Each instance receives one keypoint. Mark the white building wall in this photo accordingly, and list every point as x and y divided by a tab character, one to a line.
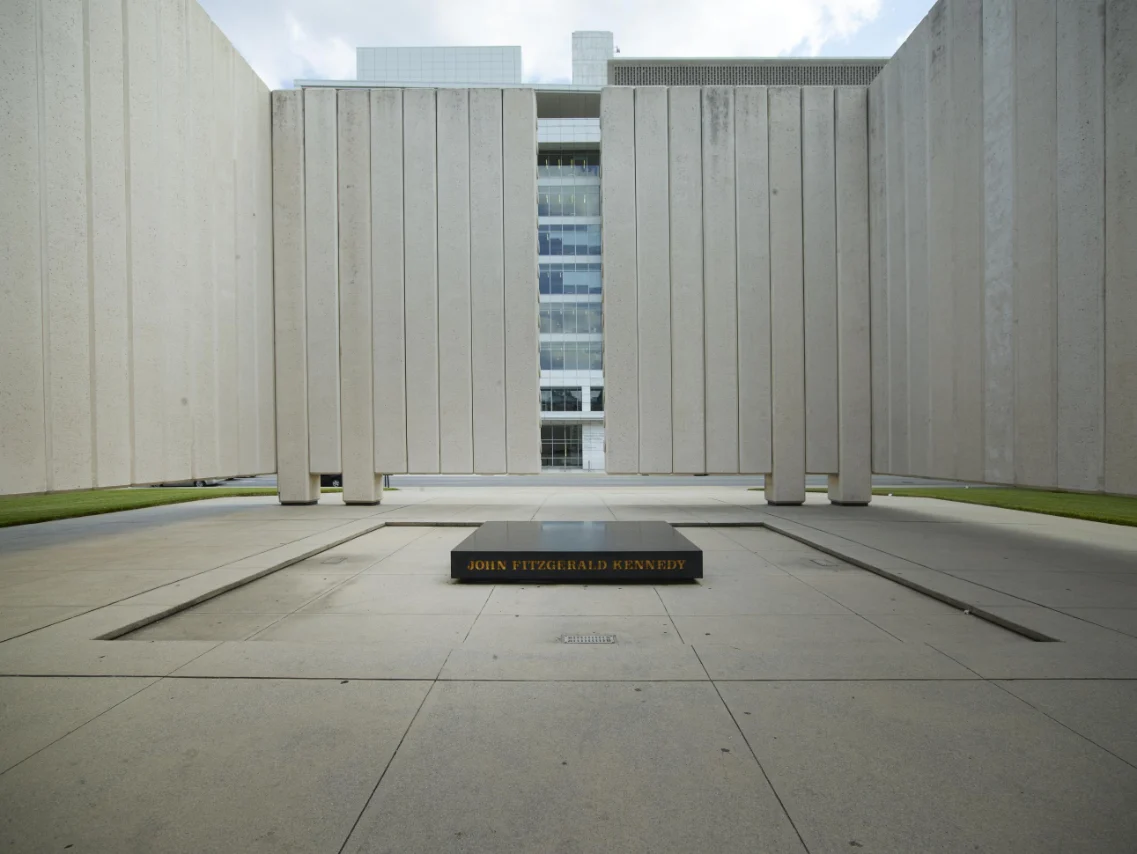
439	65
137	313
591	50
1019	244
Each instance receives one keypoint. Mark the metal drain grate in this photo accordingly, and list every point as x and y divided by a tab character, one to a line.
588	638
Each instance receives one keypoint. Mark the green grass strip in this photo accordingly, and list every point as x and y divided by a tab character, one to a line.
27	509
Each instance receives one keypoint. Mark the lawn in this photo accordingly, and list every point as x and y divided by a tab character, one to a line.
25	509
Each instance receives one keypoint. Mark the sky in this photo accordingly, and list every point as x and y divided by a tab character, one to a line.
285	40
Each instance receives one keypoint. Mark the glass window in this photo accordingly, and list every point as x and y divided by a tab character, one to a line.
597	402
562	445
571	317
561	400
572	356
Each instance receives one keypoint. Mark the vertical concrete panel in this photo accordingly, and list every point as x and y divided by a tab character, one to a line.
202	319
246	188
621	349
897	274
685	211
941	193
1035	215
110	299
487	282
147	306
455	403
225	250
752	170
653	262
519	159
853	483
23	454
1121	247
786	485
387	281
720	282
819	212
320	231
1080	356
998	232
295	483
878	267
173	189
914	87
266	387
357	417
967	235
421	278
67	351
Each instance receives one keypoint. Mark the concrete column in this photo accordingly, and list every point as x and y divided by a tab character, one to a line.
110	298
941	292
420	257
321	227
245	170
23	452
1080	356
519	160
720	283
225	254
621	352
786	483
752	180
1035	160
998	233
361	485
294	482
487	282
819	212
389	345
878	268
688	377
914	67
455	404
1121	247
897	271
266	387
853	482
967	235
653	295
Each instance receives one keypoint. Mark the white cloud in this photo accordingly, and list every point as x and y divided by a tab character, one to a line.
287	39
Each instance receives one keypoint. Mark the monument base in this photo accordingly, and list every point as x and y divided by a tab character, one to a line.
576	551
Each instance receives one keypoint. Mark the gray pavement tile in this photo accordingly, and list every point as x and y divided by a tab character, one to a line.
1107	659
575	662
427	629
870	594
820	659
1123	620
762	540
408	561
713	539
760	594
750	630
1061	589
1102	711
212	765
1055	624
27	656
401	594
528	632
933	767
189	625
948	628
720	563
288	660
271	595
581	767
15	621
93	588
575	600
35	711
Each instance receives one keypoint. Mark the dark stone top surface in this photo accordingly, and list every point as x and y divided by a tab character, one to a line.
584	537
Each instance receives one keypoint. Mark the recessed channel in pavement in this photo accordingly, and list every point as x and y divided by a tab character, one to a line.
394	586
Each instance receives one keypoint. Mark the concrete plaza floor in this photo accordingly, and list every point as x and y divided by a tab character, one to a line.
233	675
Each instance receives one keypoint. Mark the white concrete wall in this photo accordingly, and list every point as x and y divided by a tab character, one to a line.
736	270
1002	163
135	248
421	208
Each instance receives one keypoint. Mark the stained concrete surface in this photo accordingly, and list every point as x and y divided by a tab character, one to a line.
285	714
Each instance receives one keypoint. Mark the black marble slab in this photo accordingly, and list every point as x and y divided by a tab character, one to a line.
576	551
